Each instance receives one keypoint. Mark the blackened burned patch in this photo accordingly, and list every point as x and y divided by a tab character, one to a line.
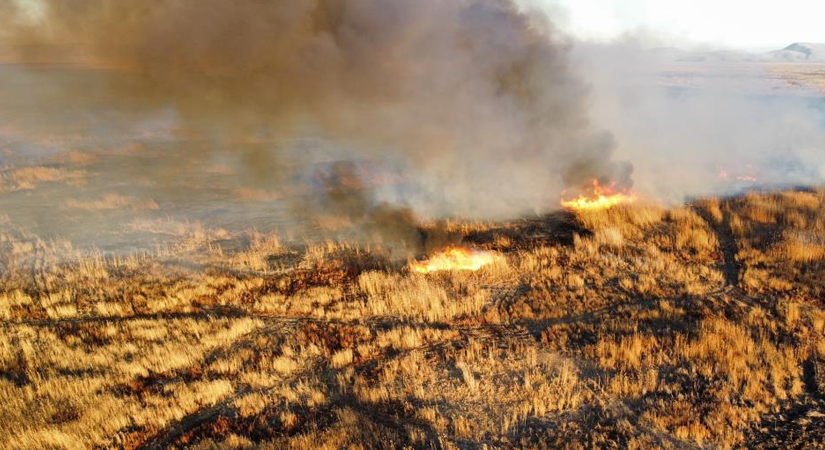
556	228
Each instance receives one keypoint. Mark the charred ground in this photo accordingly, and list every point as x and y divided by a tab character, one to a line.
638	327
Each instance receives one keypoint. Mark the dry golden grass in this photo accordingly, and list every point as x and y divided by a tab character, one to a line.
27	178
251	194
112	201
806	76
630	331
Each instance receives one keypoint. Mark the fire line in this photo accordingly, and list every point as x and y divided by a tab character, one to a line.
455	258
600	198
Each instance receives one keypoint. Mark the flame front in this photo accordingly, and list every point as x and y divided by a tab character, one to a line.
601	198
455	258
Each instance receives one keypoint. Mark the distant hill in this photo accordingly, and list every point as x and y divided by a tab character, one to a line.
797	52
800	51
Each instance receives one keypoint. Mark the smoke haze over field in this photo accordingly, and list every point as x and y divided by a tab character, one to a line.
704	127
366	116
476	95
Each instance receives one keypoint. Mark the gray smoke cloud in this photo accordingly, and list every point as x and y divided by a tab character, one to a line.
705	123
476	108
476	96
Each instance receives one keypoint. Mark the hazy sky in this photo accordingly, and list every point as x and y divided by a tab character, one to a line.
748	24
744	24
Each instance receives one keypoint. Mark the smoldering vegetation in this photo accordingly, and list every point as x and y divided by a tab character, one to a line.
349	206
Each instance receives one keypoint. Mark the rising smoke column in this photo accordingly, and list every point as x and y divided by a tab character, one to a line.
476	94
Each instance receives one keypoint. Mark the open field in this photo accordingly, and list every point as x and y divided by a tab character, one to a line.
700	326
421	224
806	79
809	76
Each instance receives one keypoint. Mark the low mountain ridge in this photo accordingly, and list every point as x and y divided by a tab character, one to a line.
796	52
800	51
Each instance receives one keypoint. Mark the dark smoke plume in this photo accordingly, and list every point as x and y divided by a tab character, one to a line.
351	202
476	95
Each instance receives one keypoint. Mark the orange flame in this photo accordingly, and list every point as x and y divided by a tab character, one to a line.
455	258
744	177
601	198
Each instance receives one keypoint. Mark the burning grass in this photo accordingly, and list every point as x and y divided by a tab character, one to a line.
600	198
632	327
455	258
